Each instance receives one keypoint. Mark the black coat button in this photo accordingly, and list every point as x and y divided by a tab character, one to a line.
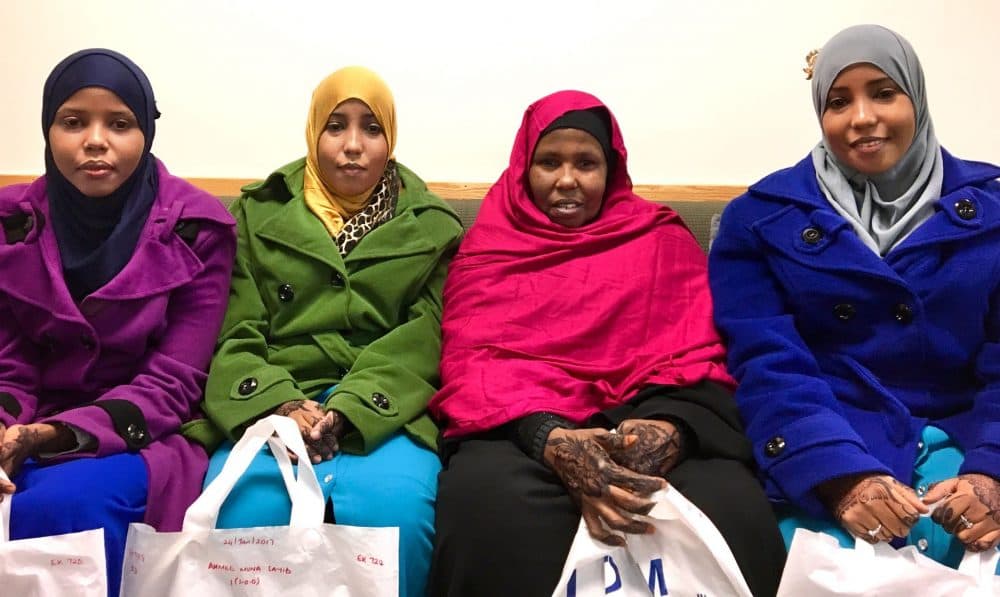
965	209
342	372
844	311
135	433
812	235
774	446
88	342
247	386
286	293
337	280
904	313
380	400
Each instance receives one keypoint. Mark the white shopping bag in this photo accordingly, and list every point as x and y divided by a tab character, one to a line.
685	557
818	566
303	559
71	565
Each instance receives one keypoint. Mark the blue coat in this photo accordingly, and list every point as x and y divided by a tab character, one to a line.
843	357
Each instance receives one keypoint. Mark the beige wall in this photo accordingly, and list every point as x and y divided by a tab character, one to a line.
707	92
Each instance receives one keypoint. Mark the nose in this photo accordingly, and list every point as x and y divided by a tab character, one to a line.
863	114
352	141
96	137
567	179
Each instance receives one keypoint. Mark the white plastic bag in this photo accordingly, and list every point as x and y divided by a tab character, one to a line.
303	559
72	565
818	566
686	556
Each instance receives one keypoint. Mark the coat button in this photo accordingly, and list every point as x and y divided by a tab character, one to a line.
844	311
337	280
286	293
247	386
904	313
965	209
380	400
135	433
812	235
342	372
87	342
774	446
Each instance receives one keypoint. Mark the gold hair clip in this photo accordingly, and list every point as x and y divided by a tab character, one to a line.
810	64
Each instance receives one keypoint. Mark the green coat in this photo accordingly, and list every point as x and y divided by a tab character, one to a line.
301	318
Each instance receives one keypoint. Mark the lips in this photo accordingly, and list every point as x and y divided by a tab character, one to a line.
352	167
96	168
868	144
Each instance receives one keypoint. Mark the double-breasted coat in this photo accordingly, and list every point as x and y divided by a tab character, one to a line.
844	356
128	363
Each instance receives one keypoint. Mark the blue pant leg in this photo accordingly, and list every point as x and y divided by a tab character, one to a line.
394	485
81	495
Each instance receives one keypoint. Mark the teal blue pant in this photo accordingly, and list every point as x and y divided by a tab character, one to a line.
394	485
938	459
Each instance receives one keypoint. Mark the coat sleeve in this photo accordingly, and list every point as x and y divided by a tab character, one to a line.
799	434
394	377
983	455
19	375
242	385
167	387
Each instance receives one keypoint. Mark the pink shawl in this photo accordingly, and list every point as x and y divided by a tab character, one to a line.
572	321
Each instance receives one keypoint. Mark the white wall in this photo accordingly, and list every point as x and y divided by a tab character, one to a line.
707	92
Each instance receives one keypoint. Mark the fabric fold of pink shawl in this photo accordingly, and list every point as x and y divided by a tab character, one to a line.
572	321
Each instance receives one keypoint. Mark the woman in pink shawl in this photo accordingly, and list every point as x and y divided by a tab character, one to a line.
580	370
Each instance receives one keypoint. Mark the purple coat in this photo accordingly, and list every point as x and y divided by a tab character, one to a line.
128	364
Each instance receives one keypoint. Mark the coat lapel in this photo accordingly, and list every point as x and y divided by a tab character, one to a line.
294	227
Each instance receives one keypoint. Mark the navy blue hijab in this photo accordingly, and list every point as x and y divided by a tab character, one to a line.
97	235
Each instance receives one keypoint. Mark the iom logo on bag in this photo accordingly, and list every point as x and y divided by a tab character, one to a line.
656	581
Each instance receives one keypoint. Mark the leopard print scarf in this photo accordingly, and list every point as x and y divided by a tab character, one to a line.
380	209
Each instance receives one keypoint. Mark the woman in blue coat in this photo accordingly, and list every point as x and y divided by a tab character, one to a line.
858	291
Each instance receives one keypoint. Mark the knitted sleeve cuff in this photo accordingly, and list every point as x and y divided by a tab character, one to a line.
532	432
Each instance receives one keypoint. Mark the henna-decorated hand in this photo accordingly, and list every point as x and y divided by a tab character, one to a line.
6	487
21	442
606	492
320	430
873	507
970	509
656	451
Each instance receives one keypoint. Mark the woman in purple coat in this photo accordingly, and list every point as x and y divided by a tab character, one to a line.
113	284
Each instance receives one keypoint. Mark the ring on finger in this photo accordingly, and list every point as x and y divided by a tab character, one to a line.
965	521
874	532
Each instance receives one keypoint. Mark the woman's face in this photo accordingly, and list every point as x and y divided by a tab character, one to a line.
96	141
868	121
567	177
352	151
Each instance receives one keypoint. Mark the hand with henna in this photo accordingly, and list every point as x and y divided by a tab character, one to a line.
6	487
606	492
320	430
969	509
21	442
658	447
873	507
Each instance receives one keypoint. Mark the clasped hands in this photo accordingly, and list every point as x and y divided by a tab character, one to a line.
879	508
611	474
321	431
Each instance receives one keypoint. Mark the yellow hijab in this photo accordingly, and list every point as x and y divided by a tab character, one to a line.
352	82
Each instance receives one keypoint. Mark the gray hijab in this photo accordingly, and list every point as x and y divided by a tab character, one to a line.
885	208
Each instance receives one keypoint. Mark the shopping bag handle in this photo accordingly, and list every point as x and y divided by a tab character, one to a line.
282	434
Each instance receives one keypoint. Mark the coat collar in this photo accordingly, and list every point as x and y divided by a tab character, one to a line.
799	184
161	261
294	226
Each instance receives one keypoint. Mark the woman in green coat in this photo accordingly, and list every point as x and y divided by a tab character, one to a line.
334	320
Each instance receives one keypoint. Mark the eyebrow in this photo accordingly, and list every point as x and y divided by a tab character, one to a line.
874	83
72	110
